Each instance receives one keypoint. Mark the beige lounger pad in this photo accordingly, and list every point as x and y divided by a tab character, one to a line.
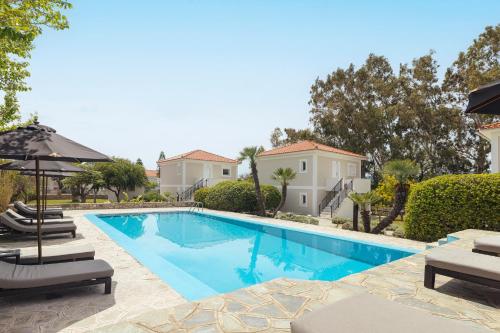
488	244
464	261
367	313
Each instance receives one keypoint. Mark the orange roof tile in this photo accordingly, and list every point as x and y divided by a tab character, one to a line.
491	126
200	155
151	173
306	146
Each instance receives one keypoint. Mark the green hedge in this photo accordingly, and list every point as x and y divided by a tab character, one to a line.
446	204
236	196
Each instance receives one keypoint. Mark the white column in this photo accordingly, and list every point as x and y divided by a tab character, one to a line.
495	151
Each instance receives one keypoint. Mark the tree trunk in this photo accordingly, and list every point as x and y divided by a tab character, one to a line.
95	196
365	214
399	205
355	213
261	210
282	201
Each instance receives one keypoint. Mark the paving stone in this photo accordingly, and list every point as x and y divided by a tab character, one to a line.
270	310
291	303
252	321
206	329
230	323
199	317
232	306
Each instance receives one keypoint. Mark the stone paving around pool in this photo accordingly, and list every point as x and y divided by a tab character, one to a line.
141	302
269	307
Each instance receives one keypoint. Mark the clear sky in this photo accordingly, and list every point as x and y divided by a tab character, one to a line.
132	78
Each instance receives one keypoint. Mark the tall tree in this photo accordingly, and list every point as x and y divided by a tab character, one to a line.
403	171
283	177
365	201
21	23
478	65
82	183
250	154
278	138
162	155
121	175
139	162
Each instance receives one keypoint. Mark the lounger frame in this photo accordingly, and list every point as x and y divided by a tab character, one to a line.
57	287
431	271
494	254
17	232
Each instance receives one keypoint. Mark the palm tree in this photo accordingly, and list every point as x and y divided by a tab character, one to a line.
364	201
283	176
403	171
250	154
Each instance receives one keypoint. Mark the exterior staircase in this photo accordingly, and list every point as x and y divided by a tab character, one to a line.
187	195
334	198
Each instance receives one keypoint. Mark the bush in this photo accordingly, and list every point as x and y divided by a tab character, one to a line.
153	196
297	218
272	196
237	196
341	220
451	203
201	195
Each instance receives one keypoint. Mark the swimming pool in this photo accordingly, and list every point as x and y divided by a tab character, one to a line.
203	254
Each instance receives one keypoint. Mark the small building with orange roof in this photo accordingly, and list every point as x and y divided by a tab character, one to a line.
491	132
325	175
186	172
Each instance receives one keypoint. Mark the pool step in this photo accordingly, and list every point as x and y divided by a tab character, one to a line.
442	241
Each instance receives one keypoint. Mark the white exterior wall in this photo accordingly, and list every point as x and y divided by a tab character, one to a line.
493	136
178	175
320	177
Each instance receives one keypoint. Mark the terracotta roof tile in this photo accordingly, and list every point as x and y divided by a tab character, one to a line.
306	146
491	126
200	155
151	173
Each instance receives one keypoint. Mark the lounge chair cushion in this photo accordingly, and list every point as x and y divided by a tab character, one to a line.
466	262
29	256
11	223
31	220
29	276
488	244
365	313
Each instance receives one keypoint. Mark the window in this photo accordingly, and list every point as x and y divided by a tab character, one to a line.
351	170
303	166
303	199
226	172
336	169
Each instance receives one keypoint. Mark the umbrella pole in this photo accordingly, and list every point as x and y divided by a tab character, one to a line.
38	224
43	196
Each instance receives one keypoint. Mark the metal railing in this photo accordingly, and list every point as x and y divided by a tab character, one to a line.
197	205
339	197
188	193
330	195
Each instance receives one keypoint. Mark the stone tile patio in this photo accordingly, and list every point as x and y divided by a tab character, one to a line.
270	306
141	302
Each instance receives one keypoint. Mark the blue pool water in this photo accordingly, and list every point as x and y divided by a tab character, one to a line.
202	254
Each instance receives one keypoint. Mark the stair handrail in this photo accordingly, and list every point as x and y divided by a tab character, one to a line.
341	196
330	195
197	205
188	193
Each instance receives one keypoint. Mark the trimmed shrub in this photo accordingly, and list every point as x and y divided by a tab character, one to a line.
341	220
237	196
446	204
153	196
201	195
297	218
272	196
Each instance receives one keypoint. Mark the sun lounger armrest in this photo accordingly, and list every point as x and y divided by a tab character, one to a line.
11	254
30	220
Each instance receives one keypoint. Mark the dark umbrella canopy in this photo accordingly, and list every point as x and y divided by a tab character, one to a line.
50	174
42	142
55	166
485	99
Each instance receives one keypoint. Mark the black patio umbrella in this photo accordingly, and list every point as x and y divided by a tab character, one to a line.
42	143
48	169
485	99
